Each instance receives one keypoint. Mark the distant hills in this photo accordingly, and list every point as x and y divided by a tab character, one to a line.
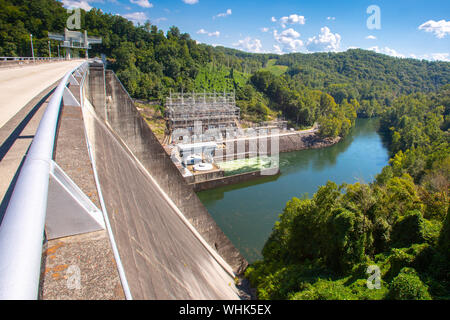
150	63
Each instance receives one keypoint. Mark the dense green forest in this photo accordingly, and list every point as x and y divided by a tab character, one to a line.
327	88
321	247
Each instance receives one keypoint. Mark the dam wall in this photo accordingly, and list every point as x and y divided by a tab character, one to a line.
95	82
163	254
125	121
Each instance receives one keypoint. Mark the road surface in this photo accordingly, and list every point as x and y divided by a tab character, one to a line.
19	85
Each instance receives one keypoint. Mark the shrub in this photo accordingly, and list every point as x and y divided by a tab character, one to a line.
408	229
359	288
408	286
325	290
346	248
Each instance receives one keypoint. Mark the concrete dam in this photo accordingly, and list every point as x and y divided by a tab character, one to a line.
152	205
156	239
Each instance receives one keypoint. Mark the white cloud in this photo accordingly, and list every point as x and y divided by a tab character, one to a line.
190	1
433	56
210	34
371	37
438	56
393	52
290	33
292	19
214	34
83	4
331	18
160	19
224	14
289	40
249	44
142	3
439	28
325	41
388	51
136	17
273	19
441	56
277	49
264	29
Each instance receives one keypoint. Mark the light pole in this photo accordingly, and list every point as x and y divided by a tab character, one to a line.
32	49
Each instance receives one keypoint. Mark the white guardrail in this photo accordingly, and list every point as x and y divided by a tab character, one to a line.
22	228
30	58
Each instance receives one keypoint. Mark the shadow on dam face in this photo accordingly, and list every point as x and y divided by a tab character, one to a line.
162	256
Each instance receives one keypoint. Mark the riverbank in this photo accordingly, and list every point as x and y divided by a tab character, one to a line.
303	141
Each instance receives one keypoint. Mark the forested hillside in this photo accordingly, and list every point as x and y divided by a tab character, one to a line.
321	247
328	88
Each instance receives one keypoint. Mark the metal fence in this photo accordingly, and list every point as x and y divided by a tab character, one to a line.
30	58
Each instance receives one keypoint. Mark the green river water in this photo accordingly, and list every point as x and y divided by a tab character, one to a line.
246	212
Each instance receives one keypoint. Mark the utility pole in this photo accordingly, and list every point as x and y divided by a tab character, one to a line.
49	49
32	50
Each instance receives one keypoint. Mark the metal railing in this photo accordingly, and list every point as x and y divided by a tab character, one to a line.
22	228
30	58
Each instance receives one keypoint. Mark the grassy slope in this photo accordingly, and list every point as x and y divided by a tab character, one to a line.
275	69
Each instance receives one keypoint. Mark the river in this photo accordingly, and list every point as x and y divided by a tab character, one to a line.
246	212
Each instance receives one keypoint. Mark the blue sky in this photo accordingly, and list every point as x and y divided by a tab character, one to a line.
407	28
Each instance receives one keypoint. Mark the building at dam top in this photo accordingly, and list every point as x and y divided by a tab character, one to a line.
74	40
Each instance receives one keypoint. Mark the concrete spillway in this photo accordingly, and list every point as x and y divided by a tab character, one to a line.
169	245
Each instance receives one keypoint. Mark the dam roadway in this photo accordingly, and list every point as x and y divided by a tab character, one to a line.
19	85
